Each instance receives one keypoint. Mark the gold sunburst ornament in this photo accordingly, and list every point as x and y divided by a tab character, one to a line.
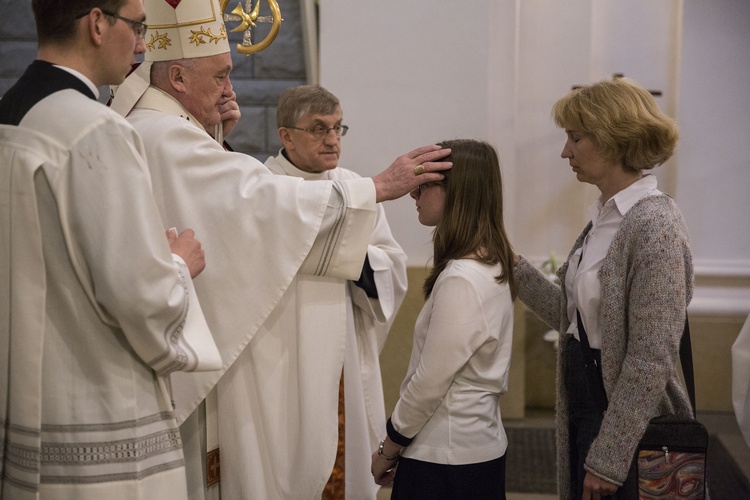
248	18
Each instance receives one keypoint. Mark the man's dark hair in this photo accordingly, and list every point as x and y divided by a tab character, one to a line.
56	19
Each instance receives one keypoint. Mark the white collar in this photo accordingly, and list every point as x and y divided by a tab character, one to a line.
290	169
625	200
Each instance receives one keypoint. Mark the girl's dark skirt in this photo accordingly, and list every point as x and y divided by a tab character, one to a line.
418	480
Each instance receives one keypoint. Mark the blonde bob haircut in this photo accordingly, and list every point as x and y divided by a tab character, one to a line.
624	121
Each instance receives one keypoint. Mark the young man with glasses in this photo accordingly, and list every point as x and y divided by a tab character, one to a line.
310	127
95	311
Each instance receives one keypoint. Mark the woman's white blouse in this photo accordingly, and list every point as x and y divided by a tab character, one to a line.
582	279
458	368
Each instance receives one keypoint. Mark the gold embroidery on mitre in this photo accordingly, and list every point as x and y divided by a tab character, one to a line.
163	40
197	36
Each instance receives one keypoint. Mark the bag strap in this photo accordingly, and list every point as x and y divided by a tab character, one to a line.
686	361
595	373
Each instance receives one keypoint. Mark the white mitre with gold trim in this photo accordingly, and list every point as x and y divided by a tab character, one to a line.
184	29
177	29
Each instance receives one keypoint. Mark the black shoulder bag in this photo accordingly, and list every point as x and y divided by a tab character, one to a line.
671	455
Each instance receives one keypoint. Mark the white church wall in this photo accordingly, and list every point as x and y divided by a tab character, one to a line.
714	153
410	73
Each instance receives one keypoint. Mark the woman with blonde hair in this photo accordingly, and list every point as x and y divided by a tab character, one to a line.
627	283
445	437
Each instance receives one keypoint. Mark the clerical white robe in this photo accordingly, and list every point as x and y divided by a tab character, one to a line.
278	391
741	379
94	311
366	324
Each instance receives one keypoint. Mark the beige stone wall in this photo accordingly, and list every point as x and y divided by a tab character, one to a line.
712	338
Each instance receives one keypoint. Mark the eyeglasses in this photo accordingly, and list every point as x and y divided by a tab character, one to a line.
321	131
139	28
422	187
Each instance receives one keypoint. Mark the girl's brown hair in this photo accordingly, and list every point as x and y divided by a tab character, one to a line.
472	220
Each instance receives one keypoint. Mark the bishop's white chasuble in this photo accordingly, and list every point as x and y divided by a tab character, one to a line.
278	391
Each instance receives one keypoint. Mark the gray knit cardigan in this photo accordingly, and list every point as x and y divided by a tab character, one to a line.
646	284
